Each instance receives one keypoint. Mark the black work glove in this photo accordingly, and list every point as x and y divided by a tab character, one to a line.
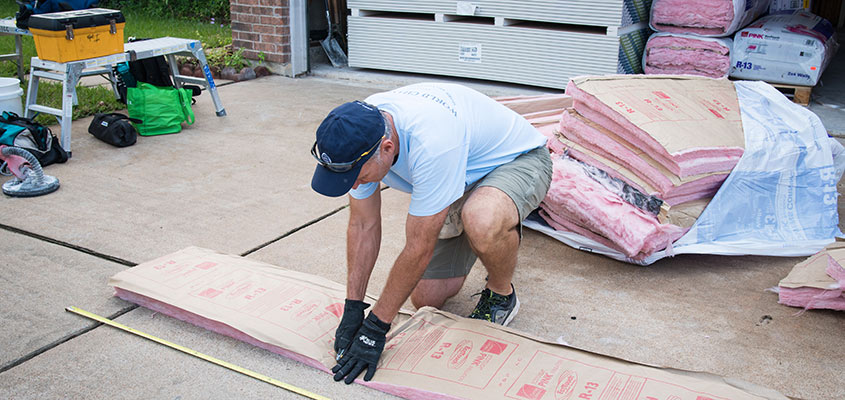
353	316
365	351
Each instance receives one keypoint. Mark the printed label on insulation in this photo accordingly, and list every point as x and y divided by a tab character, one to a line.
470	52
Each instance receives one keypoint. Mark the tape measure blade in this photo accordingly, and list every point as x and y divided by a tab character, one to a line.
213	360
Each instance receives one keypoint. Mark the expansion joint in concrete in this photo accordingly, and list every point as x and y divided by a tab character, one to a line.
69	245
72	335
294	230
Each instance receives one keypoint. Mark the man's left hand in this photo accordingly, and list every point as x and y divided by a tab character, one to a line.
367	345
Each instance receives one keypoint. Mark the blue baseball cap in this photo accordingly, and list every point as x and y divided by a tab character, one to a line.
346	139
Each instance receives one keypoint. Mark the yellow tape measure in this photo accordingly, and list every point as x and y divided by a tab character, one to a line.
195	353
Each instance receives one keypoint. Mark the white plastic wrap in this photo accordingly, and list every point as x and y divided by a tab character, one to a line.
784	48
779	200
789	5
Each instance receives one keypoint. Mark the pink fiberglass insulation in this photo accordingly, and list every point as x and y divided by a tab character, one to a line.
810	298
676	54
605	143
561	223
562	145
706	17
832	298
574	194
683	163
223	329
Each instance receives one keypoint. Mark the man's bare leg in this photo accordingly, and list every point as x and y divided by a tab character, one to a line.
490	221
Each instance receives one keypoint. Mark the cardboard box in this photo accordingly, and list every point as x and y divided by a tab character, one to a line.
77	35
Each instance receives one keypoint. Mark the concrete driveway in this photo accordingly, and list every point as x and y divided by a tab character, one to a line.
241	185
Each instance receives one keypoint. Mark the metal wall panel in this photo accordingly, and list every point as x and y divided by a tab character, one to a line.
529	56
578	12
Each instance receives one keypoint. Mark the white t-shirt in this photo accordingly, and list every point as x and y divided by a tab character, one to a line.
450	136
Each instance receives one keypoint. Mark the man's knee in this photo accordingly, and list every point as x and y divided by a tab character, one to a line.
435	292
489	214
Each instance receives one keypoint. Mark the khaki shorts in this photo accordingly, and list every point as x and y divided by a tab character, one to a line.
525	180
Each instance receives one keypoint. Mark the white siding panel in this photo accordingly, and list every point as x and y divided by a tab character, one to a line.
579	12
530	56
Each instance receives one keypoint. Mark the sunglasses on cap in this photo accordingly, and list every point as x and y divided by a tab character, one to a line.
343	166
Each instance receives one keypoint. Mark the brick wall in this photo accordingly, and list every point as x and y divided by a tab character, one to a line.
262	26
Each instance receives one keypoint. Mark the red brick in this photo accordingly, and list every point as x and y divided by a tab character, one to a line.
248	2
281	11
262	10
269	39
240	26
278	58
282	30
242	44
274	3
265	29
235	8
250	19
252	37
272	21
265	47
247	18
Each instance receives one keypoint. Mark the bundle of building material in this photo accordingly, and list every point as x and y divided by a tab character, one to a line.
818	282
578	202
428	355
542	111
712	18
648	160
684	54
690	126
784	48
773	171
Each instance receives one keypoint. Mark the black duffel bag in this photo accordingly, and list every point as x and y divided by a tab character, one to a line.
114	129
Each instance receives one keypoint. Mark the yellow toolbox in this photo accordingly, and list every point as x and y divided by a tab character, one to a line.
77	35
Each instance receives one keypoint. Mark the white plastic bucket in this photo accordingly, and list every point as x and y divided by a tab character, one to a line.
10	95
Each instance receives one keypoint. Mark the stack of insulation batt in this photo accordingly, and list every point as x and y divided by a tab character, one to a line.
818	282
713	18
682	54
694	35
639	157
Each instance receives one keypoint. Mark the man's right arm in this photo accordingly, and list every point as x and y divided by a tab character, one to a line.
363	240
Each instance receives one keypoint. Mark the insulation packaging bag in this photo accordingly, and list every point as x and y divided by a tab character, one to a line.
790	5
632	41
785	48
683	54
712	18
779	200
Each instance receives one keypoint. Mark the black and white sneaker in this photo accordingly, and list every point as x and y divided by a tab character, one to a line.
496	308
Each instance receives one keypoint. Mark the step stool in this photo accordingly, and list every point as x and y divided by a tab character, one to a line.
68	74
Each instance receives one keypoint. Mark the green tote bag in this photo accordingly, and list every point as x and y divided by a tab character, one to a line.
163	109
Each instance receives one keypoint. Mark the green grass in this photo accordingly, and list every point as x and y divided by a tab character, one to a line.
101	99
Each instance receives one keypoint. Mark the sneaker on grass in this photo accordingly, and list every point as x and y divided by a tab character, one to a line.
496	308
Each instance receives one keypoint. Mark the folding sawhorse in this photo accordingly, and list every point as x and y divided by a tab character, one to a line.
69	73
7	27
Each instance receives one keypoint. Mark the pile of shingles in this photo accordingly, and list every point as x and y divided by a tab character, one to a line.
817	282
636	158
